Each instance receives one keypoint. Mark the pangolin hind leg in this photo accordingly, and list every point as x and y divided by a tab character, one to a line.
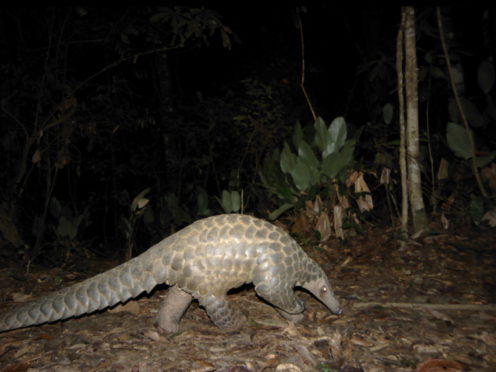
222	312
172	309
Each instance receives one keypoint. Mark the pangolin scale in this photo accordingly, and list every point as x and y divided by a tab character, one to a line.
203	261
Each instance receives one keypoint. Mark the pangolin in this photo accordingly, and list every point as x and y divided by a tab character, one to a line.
203	261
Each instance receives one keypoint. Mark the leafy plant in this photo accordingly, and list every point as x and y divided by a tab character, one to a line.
202	208
128	223
192	24
54	144
230	202
456	135
66	223
307	165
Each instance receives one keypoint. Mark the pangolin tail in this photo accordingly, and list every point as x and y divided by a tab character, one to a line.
119	284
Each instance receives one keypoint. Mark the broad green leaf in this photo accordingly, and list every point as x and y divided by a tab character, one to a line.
472	113
202	202
485	76
347	152
270	171
330	149
387	113
482	161
301	175
66	229
226	201
235	201
321	134
337	130
458	142
274	180
335	163
330	165
226	41
336	138
297	135
306	154
288	159
283	208
140	201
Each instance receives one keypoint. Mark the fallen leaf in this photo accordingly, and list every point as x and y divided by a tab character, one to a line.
287	367
291	330
360	342
487	338
490	218
441	316
153	335
439	365
270	322
131	307
21	297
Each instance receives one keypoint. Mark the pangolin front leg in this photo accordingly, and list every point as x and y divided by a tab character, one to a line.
172	309
295	318
283	297
222	312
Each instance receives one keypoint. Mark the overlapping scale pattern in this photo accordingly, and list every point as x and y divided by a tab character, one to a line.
205	259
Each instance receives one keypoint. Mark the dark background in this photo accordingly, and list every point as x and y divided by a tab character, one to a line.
131	115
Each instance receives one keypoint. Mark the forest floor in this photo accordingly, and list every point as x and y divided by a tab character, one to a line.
426	307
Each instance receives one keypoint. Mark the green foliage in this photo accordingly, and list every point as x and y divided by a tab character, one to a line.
192	24
128	223
225	143
291	174
485	76
258	120
69	224
202	208
230	202
440	135
65	225
472	113
113	136
476	209
458	141
388	113
168	211
456	134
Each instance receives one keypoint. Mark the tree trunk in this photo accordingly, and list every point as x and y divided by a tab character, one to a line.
411	132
